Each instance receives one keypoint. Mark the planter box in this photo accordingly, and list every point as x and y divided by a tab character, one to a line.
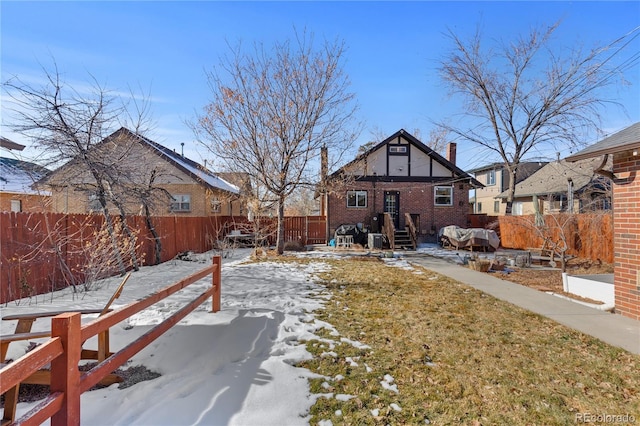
597	287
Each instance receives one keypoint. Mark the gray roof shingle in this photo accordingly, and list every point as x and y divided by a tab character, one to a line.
553	178
625	139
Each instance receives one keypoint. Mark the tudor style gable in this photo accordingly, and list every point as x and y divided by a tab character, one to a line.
403	158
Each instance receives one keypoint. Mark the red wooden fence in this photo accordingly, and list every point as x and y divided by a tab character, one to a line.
42	252
589	235
63	350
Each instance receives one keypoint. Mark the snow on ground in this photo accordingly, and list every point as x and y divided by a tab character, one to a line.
233	367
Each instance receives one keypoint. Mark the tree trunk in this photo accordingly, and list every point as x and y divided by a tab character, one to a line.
280	237
156	237
511	191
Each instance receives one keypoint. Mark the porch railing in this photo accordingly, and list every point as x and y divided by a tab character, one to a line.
413	232
389	229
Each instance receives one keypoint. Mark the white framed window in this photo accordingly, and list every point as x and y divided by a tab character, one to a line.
517	208
397	149
181	203
491	177
356	199
496	206
479	207
443	196
16	206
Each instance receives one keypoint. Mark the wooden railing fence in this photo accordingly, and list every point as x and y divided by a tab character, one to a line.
64	347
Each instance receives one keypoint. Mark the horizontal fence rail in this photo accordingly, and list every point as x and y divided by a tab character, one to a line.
63	351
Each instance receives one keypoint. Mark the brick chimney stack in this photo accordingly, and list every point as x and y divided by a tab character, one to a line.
451	152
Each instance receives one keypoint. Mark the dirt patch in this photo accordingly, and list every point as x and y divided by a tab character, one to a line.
130	376
547	279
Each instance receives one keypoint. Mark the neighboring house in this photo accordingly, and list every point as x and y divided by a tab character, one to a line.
16	180
495	179
182	186
399	176
624	147
562	186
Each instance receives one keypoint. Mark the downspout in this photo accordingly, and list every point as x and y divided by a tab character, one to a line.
606	173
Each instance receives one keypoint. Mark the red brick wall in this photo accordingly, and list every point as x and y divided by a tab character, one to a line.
415	198
626	225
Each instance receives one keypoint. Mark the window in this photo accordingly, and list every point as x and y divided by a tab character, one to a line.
216	205
443	196
558	204
181	203
397	149
496	206
479	208
16	205
94	203
517	208
491	177
356	199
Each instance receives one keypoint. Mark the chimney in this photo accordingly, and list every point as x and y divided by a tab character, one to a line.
451	152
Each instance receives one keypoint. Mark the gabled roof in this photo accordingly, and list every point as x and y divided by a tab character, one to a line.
196	171
417	143
190	167
17	176
553	178
626	139
525	168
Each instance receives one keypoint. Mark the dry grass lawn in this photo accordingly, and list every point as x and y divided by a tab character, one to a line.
457	356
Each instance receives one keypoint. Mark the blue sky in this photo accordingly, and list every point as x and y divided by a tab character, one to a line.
393	51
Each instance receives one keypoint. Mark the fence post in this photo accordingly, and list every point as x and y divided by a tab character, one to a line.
65	376
217	284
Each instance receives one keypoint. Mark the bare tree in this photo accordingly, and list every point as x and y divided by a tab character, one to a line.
272	111
70	124
522	95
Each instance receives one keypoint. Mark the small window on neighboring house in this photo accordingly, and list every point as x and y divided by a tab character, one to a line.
181	203
516	208
16	205
94	203
558	204
443	196
491	177
496	206
479	207
216	205
356	199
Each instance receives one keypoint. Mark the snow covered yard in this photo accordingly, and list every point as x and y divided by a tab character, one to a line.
233	367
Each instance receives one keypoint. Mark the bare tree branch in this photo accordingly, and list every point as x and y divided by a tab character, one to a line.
272	111
524	95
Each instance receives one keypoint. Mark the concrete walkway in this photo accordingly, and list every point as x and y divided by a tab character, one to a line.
610	328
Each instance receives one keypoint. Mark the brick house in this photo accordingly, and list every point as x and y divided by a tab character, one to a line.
624	147
400	176
186	188
16	182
